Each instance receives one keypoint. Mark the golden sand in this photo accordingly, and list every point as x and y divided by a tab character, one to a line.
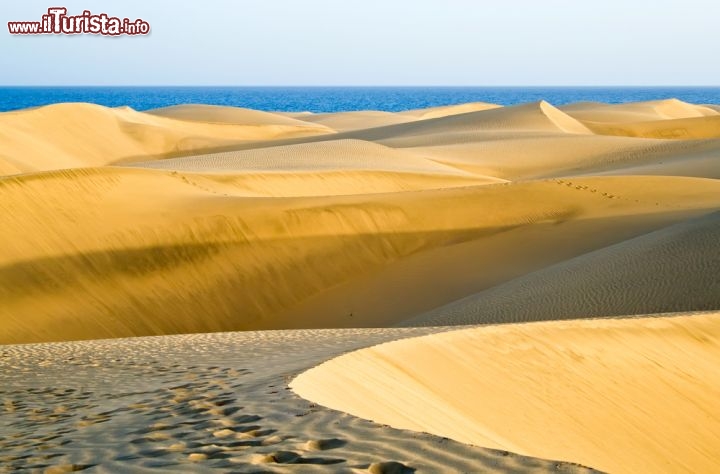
138	223
195	219
624	395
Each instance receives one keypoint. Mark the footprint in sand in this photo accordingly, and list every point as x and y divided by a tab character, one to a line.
389	467
323	444
278	457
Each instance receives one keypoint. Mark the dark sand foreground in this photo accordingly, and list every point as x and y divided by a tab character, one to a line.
205	402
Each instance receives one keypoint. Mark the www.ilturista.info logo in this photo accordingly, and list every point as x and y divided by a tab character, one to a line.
57	22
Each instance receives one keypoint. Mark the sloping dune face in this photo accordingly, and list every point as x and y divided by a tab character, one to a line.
638	111
625	396
536	117
199	218
672	269
227	115
78	135
364	119
435	112
665	119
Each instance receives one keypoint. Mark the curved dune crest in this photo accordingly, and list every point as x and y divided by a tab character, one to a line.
626	395
444	111
517	120
78	135
364	119
532	117
228	115
206	403
355	120
562	120
637	111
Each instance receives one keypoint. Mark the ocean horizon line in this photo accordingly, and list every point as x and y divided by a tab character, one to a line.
537	86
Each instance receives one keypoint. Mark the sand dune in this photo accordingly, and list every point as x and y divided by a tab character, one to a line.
227	115
625	395
347	230
194	219
637	111
685	128
672	269
324	168
519	121
535	120
76	135
139	242
335	155
346	121
444	111
515	156
359	120
659	157
409	286
542	156
538	117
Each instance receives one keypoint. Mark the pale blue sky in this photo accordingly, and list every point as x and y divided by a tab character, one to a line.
375	42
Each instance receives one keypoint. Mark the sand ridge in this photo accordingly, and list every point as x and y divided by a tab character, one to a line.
226	115
653	110
622	395
363	119
76	135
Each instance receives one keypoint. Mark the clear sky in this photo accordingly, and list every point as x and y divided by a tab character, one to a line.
375	42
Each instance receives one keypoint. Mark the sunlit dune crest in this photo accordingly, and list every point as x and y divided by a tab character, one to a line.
624	395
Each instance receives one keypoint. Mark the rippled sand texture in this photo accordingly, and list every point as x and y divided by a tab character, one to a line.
195	218
213	402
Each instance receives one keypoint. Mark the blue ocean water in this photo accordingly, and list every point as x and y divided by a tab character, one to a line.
334	99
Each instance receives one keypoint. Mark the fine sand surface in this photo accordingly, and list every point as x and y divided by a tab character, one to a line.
209	403
676	268
75	135
623	395
124	223
191	219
